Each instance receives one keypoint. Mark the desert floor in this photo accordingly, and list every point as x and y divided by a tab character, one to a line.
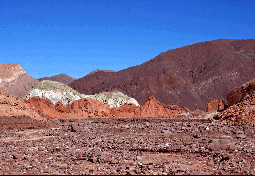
129	146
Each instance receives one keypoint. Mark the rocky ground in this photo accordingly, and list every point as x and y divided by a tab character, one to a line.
130	146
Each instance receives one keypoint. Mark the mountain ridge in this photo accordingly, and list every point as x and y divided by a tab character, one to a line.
62	77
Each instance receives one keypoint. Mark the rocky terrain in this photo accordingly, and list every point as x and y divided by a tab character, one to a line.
189	76
241	102
130	146
14	80
62	78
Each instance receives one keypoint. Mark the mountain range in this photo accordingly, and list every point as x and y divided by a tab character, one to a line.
188	76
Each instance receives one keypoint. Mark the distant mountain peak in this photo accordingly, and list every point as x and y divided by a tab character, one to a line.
62	78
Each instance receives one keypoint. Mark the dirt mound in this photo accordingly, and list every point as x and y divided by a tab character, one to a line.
216	106
189	76
243	108
89	107
14	80
63	78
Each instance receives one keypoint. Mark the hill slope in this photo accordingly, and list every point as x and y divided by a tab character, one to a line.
14	80
63	78
189	76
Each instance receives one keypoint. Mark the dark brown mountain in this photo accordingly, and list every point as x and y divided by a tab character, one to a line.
189	76
14	80
63	78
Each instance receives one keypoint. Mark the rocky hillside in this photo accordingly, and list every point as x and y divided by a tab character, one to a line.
58	92
63	78
14	80
241	102
189	76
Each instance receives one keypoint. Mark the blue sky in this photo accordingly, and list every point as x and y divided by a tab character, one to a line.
48	37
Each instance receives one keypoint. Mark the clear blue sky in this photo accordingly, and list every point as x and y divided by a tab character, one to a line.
48	37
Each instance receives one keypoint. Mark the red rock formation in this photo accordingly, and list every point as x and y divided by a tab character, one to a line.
84	108
153	108
90	108
189	76
14	80
46	108
11	106
216	106
126	111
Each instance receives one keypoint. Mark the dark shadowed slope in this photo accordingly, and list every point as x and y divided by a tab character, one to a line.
63	78
189	76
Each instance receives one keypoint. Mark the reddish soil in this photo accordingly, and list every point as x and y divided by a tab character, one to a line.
63	78
189	76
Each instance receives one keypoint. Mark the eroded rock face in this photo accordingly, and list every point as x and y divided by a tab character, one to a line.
14	80
11	106
242	100
216	106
